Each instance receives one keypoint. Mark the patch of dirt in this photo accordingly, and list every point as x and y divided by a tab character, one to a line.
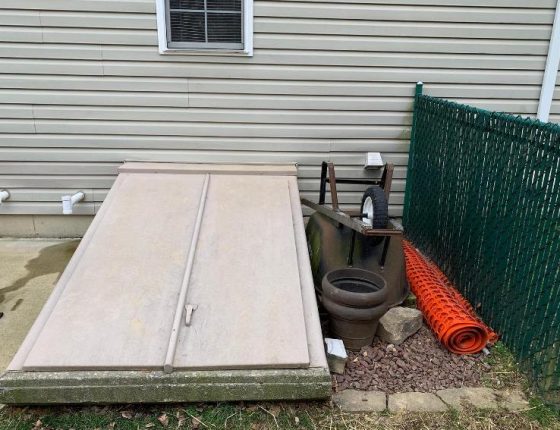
420	363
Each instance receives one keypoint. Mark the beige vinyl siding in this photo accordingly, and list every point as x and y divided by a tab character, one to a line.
83	88
555	108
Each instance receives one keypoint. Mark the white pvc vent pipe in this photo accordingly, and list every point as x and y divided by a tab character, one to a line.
4	195
69	201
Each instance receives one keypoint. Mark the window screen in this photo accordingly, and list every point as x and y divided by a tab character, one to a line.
205	23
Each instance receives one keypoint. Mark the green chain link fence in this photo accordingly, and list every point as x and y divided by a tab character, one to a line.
483	201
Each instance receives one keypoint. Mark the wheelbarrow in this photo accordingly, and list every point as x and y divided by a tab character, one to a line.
365	239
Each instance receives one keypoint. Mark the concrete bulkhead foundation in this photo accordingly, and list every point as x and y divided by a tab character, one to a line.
105	387
193	283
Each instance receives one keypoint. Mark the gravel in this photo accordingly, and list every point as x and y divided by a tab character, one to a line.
420	363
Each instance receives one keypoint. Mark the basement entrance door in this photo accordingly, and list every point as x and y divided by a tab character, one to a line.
184	267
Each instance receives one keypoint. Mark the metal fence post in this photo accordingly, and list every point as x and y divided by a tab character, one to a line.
417	94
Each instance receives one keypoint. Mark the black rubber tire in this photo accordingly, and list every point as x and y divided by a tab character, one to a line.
380	206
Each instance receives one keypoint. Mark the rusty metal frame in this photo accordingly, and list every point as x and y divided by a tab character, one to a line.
328	176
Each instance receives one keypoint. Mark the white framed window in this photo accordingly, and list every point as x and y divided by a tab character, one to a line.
216	27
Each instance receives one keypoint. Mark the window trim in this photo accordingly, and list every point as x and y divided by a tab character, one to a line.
207	49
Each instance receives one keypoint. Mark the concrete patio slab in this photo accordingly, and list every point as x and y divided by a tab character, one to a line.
29	269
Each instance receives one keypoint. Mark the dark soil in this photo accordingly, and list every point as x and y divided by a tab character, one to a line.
420	363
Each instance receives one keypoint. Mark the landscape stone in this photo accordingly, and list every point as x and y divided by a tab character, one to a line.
512	400
398	324
360	401
415	402
480	398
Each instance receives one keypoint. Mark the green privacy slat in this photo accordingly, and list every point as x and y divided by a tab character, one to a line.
483	201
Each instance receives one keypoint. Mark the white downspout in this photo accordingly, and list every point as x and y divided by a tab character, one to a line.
551	69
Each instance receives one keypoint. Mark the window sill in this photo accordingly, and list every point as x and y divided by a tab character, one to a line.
209	52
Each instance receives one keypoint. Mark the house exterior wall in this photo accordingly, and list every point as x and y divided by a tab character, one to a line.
555	107
83	88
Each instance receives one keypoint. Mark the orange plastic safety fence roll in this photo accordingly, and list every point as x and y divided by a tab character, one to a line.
447	312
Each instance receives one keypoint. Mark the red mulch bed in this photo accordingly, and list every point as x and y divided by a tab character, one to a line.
419	364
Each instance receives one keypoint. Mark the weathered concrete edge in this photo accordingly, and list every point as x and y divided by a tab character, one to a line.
43	226
157	387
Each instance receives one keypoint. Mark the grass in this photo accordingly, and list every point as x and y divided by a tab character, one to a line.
302	415
504	371
542	414
503	374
